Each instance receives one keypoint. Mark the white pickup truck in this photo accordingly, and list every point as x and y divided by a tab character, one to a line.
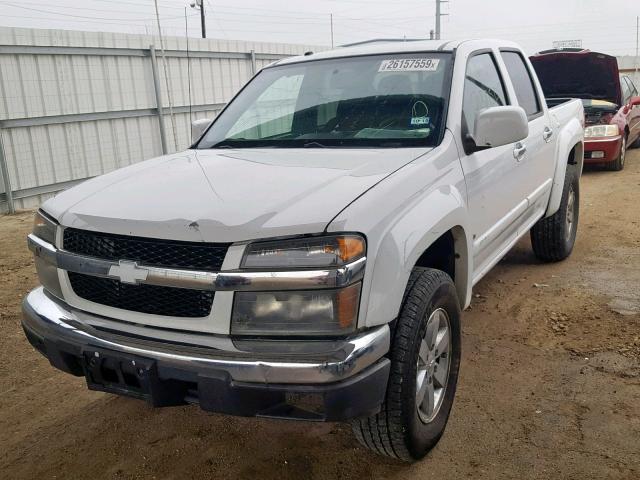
309	256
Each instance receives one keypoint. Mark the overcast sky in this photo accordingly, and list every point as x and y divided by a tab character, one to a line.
604	25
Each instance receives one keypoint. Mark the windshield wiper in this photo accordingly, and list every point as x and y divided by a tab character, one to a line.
314	144
226	143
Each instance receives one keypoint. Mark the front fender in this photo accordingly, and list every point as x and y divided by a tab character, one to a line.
403	245
401	217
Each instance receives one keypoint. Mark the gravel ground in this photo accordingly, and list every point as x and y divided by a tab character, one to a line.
549	385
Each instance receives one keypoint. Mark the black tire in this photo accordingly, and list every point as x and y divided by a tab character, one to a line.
618	163
552	238
398	431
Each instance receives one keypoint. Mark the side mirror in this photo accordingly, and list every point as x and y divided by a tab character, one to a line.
198	127
497	126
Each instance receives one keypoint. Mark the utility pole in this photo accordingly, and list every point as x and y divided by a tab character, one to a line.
438	15
637	42
199	4
331	19
166	78
203	26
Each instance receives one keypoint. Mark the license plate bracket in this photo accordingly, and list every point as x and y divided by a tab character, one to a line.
119	373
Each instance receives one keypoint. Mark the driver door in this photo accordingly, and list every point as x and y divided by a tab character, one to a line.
494	195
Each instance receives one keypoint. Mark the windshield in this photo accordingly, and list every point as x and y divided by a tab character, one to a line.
369	101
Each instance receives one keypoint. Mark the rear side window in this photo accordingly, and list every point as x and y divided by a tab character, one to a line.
483	88
626	90
634	90
522	83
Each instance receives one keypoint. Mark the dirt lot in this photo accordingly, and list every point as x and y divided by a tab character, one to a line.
549	387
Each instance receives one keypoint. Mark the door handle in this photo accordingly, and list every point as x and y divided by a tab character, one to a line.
519	151
547	134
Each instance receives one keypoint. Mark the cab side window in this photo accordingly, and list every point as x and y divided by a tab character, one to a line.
522	83
483	88
634	90
626	90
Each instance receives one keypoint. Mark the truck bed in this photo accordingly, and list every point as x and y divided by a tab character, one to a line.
564	109
556	102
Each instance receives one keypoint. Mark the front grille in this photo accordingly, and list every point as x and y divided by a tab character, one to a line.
175	302
156	300
146	251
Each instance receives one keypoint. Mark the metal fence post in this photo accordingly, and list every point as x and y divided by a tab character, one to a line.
5	176
253	62
158	92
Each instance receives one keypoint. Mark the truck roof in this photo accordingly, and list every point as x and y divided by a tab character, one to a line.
381	46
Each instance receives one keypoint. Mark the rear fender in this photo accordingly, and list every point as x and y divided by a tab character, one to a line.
570	150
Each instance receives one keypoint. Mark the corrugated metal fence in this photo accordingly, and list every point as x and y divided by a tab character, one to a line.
74	105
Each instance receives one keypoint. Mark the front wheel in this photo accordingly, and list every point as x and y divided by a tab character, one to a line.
552	238
618	163
425	357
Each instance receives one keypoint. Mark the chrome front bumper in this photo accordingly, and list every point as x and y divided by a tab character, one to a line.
254	361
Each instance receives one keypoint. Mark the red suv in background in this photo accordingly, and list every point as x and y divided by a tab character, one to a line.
611	101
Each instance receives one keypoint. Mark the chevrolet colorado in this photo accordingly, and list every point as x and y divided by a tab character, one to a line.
309	256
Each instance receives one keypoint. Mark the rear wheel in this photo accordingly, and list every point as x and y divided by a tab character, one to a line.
618	164
552	238
425	357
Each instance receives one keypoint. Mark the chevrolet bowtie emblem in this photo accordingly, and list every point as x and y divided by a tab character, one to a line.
128	272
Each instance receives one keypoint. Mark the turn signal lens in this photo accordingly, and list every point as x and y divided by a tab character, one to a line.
350	248
44	228
347	305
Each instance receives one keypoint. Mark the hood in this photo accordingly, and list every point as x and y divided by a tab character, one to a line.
578	74
227	195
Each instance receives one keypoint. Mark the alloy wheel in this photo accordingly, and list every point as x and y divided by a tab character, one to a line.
433	367
571	211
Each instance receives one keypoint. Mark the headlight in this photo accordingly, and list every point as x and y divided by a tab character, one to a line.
44	227
601	131
327	251
305	313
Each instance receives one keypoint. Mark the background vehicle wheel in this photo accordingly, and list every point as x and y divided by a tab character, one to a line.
425	357
618	164
552	238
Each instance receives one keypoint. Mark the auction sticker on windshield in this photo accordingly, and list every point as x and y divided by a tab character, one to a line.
409	65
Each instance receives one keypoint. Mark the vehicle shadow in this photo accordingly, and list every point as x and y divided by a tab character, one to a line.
116	437
520	254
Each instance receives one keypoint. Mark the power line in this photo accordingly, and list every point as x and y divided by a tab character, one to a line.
50	12
95	22
123	2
